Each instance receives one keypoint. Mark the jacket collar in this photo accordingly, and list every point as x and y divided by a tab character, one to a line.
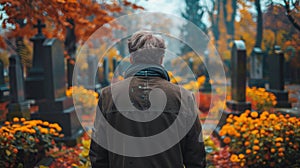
147	70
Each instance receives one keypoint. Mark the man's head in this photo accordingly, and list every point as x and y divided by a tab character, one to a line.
145	47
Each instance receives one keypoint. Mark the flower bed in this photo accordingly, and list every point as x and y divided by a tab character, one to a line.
265	140
23	143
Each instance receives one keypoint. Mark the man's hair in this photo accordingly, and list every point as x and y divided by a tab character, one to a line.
146	47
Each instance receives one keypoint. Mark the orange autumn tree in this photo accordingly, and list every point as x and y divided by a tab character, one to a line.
70	20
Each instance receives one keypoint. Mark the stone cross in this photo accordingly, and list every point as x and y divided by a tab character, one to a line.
39	27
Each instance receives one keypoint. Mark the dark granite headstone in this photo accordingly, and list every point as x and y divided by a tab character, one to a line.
276	79
256	69
207	85
93	82
35	77
18	106
55	106
238	78
4	90
105	81
115	64
238	103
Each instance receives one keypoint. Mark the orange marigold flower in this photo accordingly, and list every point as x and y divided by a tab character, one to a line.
247	143
256	141
273	150
279	139
254	114
280	154
227	140
241	156
6	123
234	158
45	123
15	150
280	149
16	119
278	144
255	147
22	119
248	151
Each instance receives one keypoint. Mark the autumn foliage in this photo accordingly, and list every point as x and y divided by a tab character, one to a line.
88	16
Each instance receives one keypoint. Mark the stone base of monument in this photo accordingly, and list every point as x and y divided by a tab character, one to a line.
68	120
259	83
238	107
4	93
21	110
282	98
62	112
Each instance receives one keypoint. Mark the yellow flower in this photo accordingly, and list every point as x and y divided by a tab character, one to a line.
45	123
255	147
241	156
254	114
226	140
234	158
23	119
15	119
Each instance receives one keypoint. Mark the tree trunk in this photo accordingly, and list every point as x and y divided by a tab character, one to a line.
259	26
70	42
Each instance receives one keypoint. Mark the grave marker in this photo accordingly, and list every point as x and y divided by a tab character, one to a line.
276	79
105	81
18	106
238	78
256	69
4	90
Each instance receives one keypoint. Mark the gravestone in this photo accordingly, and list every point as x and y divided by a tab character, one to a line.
256	68
238	103
55	106
115	64
4	90
35	77
18	106
93	82
206	86
276	80
238	78
105	67
70	69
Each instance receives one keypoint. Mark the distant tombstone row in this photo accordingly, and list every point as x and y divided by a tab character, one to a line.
45	84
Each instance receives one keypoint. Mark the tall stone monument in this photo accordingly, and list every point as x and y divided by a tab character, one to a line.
256	68
46	84
238	78
276	79
18	106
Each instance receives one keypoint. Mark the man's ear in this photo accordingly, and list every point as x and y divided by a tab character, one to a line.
131	60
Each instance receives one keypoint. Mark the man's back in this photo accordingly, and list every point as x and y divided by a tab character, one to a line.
189	151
